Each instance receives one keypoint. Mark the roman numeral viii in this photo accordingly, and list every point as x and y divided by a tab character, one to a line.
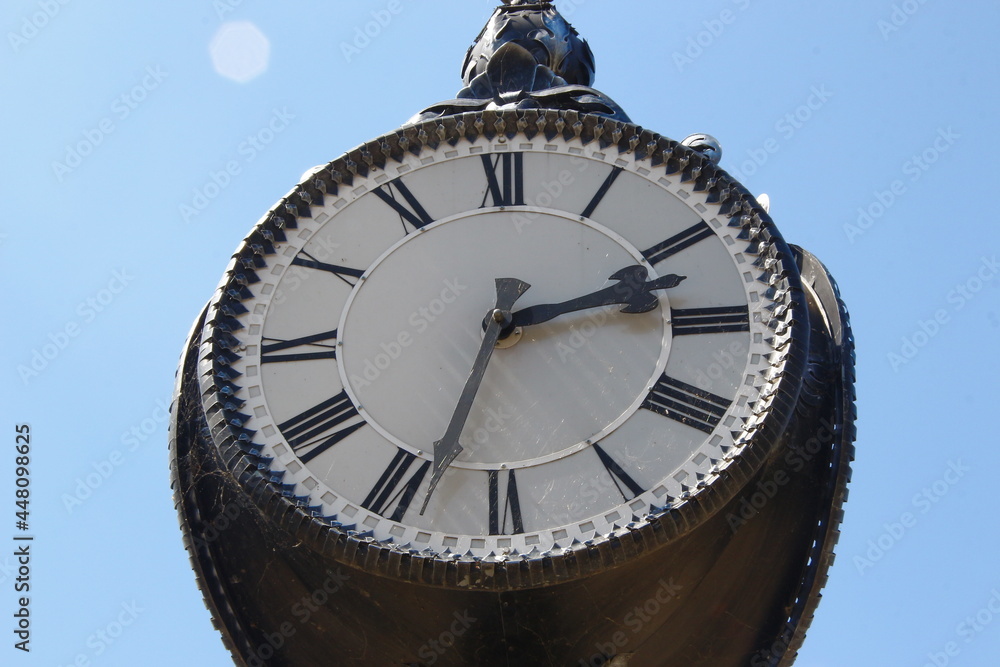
695	321
406	205
687	404
505	177
394	491
509	509
321	427
307	348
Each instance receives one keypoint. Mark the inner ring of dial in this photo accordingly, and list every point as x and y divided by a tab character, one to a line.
411	329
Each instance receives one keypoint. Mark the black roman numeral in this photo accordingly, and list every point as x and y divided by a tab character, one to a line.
686	404
391	489
409	209
696	321
511	506
505	176
320	428
344	273
599	197
318	346
675	244
618	475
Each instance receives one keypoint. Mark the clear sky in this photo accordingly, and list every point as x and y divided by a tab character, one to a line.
133	163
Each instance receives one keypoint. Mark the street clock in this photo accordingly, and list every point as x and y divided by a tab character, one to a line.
517	383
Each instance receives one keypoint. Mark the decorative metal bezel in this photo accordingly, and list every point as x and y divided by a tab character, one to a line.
242	455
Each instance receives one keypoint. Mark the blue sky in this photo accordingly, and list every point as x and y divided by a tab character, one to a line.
870	124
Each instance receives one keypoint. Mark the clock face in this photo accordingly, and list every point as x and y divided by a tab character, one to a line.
359	326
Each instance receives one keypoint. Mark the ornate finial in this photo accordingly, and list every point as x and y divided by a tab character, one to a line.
528	56
541	31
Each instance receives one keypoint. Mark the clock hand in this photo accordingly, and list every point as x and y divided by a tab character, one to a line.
447	449
632	291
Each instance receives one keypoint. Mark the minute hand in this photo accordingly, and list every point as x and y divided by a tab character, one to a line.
632	291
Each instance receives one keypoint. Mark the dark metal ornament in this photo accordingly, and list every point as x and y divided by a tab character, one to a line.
736	579
528	57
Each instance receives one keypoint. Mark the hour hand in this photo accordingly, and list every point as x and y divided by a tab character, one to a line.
632	291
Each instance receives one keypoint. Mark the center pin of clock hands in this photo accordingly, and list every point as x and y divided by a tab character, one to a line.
447	449
633	291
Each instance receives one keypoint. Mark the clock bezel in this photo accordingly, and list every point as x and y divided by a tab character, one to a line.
348	544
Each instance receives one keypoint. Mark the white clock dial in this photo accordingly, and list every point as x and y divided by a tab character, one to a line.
367	320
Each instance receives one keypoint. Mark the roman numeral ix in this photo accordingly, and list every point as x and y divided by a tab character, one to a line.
687	404
695	321
319	428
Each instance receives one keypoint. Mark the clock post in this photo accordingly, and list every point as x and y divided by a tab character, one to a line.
570	397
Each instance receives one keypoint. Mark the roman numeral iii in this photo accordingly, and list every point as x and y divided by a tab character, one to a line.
695	321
